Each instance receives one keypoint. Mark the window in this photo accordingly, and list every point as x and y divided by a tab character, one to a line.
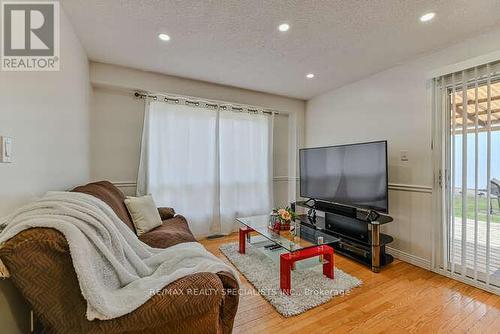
211	165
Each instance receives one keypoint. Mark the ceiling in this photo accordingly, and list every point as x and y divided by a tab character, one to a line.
237	43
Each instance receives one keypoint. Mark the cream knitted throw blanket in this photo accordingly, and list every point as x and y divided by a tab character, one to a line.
116	271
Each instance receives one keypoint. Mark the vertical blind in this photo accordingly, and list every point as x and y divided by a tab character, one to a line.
467	105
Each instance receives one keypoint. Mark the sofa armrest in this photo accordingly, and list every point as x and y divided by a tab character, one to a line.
230	302
166	213
40	266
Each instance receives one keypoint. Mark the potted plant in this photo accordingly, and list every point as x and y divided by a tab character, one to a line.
284	217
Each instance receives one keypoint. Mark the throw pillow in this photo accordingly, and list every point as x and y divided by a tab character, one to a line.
144	213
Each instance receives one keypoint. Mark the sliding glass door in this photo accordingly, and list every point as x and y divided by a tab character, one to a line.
467	146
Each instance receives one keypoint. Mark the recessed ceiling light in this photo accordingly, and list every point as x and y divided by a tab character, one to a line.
310	76
164	37
427	17
283	27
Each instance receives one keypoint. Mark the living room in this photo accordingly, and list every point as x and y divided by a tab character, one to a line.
258	166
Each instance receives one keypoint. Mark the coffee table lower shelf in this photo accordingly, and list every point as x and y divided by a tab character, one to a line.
287	260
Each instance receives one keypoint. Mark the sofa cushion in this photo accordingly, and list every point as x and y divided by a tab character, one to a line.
144	213
172	232
110	195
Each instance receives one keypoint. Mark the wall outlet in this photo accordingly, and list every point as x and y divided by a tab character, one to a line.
404	155
5	149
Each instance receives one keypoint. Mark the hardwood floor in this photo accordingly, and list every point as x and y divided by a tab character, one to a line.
402	298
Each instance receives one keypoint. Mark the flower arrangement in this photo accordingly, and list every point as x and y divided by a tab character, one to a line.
284	217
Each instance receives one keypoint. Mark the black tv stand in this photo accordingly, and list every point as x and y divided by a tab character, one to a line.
359	234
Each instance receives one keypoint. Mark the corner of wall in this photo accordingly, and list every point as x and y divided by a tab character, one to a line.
47	115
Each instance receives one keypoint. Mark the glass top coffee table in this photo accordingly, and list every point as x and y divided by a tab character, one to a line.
301	243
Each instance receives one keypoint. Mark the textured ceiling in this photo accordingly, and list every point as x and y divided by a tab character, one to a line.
237	43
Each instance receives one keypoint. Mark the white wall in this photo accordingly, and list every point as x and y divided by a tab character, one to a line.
47	115
395	105
117	118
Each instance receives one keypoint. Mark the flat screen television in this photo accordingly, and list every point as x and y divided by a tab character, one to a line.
354	175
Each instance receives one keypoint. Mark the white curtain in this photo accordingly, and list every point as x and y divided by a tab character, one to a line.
245	142
209	165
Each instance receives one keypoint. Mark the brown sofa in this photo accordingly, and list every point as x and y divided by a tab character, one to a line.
40	265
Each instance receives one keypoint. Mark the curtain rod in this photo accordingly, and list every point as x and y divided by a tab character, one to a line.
211	104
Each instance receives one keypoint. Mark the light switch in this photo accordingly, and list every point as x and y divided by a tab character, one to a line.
6	149
404	155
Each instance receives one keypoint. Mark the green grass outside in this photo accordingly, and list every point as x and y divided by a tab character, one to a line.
482	208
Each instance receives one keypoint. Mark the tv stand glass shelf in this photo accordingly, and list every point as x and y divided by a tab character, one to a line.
360	237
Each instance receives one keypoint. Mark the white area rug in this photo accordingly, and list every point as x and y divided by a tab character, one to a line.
309	287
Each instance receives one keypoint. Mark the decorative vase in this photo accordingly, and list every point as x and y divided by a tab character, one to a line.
285	226
277	227
273	219
280	226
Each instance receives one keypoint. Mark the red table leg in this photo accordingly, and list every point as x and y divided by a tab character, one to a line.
244	232
329	265
287	260
285	274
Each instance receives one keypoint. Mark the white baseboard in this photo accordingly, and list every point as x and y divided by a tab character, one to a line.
410	258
